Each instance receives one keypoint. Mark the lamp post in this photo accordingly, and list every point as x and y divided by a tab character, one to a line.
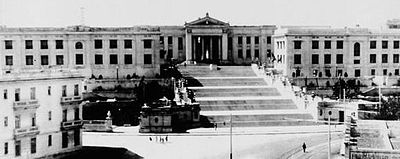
230	140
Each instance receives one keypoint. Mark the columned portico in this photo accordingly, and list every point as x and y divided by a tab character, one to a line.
207	40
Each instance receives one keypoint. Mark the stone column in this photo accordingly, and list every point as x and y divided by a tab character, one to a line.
188	46
203	53
224	47
194	45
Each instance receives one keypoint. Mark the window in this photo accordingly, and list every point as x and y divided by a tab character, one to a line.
372	44
98	59
128	44
16	95
78	45
327	44
128	58
49	90
268	40
64	91
5	94
169	53
257	53
256	40
357	73
327	58
315	44
297	44
297	58
339	72
33	93
356	61
28	44
169	40
33	119
113	44
372	58
79	59
64	139
6	148
180	43
18	148
384	58
328	73
384	44
396	72
59	44
43	44
240	40
60	59
395	44
339	58
384	72
17	121
9	60
248	53
49	115
76	113
240	53
372	72
339	44
147	44
8	44
315	59
357	49
33	145
77	137
98	44
147	59
49	140
248	40
6	121
64	115
395	58
76	90
113	59
161	40
44	59
29	60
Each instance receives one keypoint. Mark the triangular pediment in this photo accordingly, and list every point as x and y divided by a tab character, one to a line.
207	20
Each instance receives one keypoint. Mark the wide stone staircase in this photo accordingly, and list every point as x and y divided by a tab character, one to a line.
237	90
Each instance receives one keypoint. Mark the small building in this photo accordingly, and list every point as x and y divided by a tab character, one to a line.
165	116
339	109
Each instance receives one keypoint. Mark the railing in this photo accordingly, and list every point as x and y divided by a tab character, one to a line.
26	131
71	124
71	99
26	104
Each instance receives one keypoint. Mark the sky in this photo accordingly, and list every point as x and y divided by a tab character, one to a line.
61	13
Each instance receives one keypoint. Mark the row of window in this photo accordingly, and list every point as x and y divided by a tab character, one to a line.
315	59
180	41
256	40
33	143
357	73
44	59
248	53
17	92
315	44
59	44
385	44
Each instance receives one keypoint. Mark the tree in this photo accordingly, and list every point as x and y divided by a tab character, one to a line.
390	110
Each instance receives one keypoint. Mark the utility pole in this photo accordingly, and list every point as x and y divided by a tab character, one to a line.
230	141
329	134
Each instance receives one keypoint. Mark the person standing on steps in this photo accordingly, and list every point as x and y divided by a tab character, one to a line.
304	147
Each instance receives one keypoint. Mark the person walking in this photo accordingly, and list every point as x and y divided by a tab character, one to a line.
166	138
304	147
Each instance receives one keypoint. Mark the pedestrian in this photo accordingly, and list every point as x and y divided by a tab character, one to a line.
215	126
304	147
150	138
166	138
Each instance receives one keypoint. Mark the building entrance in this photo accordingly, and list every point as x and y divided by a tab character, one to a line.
206	49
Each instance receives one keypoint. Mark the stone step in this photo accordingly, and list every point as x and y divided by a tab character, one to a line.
266	123
259	117
246	107
249	102
235	94
225	82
